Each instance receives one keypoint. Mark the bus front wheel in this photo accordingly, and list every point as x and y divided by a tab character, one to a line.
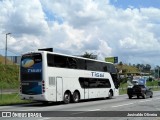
76	97
67	97
110	95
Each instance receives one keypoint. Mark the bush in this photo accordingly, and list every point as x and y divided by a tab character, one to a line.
123	80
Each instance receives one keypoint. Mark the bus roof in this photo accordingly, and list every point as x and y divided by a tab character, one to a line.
66	56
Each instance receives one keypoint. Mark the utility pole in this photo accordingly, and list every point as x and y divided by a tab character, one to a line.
6	49
158	73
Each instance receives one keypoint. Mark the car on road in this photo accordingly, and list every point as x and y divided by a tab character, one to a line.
139	91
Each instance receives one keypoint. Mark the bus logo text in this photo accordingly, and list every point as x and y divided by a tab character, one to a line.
97	74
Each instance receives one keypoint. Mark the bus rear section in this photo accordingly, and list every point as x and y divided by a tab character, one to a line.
31	79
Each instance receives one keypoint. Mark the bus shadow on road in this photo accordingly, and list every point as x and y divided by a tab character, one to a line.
95	99
42	104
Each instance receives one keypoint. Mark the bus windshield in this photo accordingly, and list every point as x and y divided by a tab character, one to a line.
31	67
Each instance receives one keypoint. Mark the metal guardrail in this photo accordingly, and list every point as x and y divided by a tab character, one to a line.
9	91
14	59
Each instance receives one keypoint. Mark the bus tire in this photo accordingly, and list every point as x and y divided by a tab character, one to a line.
67	97
110	94
76	97
45	102
130	96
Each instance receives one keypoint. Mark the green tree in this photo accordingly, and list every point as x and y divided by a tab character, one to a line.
120	63
89	55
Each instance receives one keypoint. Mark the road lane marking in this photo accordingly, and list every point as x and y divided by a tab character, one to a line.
44	119
4	107
135	102
156	98
79	112
95	110
145	100
123	105
85	111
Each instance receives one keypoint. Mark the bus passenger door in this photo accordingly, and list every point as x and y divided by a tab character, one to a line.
59	89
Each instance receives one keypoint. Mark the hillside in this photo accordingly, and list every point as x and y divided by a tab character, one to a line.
9	75
126	69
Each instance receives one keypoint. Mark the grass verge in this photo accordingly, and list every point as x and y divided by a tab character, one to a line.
11	99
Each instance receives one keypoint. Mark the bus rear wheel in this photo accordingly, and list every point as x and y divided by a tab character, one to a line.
67	97
76	97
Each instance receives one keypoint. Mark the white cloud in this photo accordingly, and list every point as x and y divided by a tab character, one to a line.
104	49
74	27
128	43
24	17
25	42
72	37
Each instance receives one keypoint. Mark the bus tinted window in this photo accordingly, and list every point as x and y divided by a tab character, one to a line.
31	67
81	64
60	61
71	62
50	60
111	68
94	83
91	65
78	63
36	57
96	66
104	83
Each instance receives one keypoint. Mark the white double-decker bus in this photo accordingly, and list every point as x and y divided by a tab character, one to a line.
51	77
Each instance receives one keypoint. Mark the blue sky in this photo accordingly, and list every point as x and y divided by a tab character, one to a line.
135	3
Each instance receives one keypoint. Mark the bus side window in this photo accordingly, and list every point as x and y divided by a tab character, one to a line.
116	81
60	61
93	83
81	81
105	68
71	63
50	60
104	83
84	82
81	64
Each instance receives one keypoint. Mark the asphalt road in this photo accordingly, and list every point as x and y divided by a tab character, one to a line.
118	108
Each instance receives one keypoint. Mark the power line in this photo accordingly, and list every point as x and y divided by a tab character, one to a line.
12	51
